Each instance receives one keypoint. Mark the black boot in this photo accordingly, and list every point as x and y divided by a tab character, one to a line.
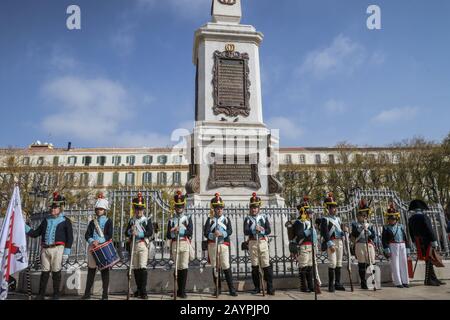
309	279
256	280
268	276
89	283
434	277
105	283
337	284
362	275
217	291
143	279
43	285
137	278
302	276
56	276
331	280
430	276
229	279
182	279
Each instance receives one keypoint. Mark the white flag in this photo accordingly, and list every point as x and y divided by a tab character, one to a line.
13	244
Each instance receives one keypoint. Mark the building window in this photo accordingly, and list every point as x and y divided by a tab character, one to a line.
302	159
147	159
331	159
116	160
147	178
72	160
55	161
84	179
162	178
40	161
101	160
288	159
129	179
87	160
131	160
69	178
26	161
318	159
100	178
176	178
162	159
178	159
115	178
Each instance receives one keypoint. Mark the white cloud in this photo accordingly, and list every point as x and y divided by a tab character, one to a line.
396	114
342	55
123	39
94	111
288	129
335	106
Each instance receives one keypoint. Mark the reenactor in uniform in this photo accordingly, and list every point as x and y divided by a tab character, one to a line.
396	247
363	235
332	232
141	228
421	232
218	227
180	225
99	230
306	237
257	228
56	237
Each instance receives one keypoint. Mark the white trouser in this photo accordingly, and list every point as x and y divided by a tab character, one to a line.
335	258
399	264
51	258
263	249
224	255
183	253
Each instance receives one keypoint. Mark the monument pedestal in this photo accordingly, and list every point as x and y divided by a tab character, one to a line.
232	150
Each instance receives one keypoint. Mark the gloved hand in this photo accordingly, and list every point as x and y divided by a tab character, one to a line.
434	244
366	226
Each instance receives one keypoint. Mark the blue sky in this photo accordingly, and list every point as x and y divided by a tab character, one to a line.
126	78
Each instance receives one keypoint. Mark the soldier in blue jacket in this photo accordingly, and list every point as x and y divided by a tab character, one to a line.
306	237
218	226
332	232
396	247
180	225
56	238
257	228
363	234
99	230
141	228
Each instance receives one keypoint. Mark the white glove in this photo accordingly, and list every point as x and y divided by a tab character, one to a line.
434	244
366	226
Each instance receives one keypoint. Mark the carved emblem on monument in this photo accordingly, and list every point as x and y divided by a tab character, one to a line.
228	2
231	82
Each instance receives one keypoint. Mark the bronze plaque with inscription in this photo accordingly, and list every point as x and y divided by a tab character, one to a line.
231	83
233	175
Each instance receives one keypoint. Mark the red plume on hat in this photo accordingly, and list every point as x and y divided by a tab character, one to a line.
55	195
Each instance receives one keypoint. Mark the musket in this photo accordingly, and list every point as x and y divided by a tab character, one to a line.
261	274
349	258
372	269
217	267
131	260
313	253
175	273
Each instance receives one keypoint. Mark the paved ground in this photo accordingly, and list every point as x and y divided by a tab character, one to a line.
417	291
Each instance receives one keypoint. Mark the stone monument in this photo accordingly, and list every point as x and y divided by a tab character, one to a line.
231	151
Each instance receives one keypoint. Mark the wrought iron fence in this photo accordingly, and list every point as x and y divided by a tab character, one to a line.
159	212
